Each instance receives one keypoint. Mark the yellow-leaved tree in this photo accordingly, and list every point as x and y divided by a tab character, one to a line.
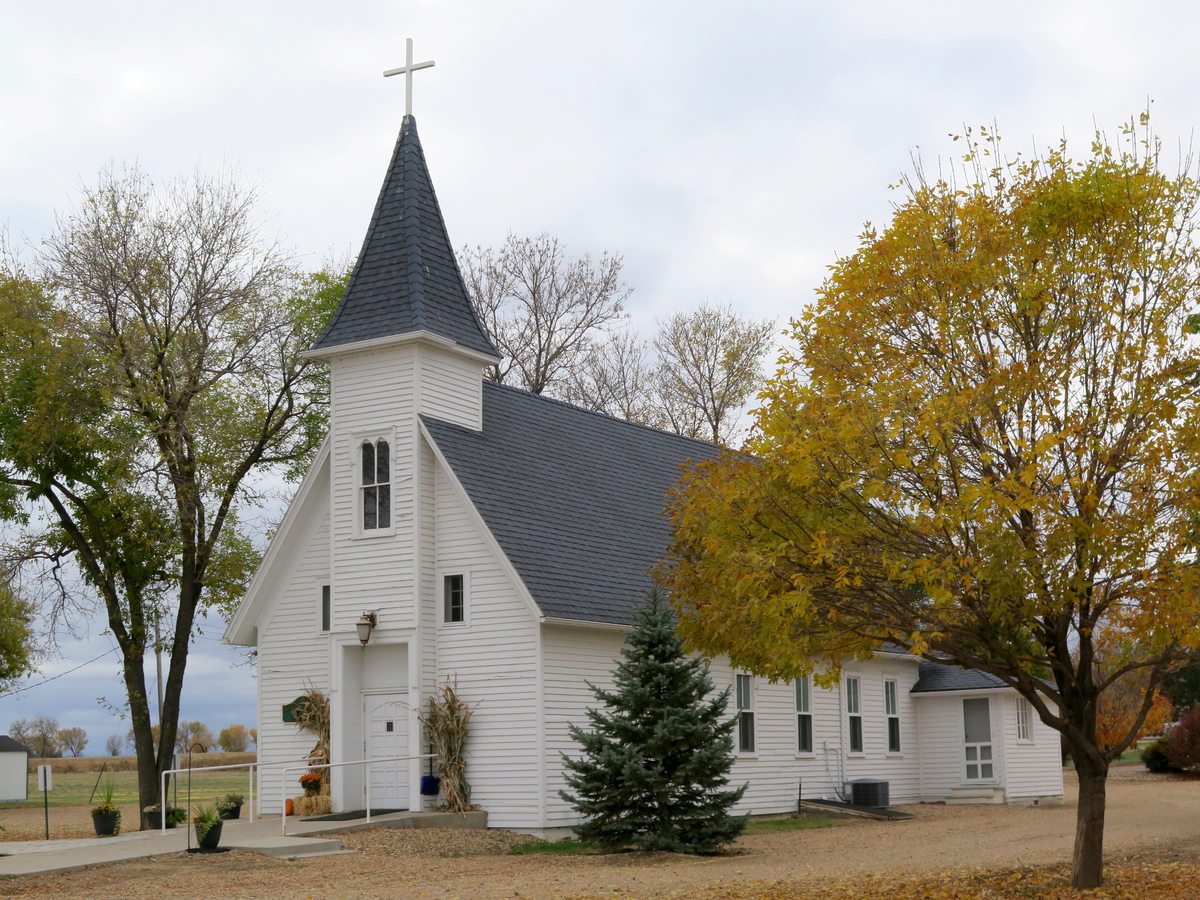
984	450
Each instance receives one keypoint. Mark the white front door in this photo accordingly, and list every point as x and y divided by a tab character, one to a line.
977	740
385	718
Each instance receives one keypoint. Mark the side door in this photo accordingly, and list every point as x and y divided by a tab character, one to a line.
977	740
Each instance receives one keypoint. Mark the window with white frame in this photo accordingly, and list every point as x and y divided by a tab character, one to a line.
745	708
326	609
891	708
854	713
454	599
376	485
804	731
1024	720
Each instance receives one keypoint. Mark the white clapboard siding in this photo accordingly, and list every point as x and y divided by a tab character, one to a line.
493	658
1033	768
571	657
574	656
372	397
451	387
900	770
943	763
292	654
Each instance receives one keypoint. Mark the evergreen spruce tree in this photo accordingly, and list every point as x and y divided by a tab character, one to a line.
657	757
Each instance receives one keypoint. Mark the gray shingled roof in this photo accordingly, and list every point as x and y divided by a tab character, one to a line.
406	278
8	745
934	677
575	498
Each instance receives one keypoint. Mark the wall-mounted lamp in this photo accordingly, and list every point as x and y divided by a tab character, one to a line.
366	623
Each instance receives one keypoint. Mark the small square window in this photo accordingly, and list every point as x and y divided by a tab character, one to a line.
388	726
454	599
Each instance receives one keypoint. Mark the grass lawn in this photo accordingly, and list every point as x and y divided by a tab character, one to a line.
767	825
1133	754
74	788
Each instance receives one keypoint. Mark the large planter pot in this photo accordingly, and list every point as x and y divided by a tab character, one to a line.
105	823
231	812
212	838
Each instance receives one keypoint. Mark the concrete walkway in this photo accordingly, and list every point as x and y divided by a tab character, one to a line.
23	858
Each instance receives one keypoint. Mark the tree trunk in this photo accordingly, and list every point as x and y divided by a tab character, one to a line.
1088	863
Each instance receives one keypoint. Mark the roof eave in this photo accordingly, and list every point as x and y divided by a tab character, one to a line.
396	340
585	623
241	630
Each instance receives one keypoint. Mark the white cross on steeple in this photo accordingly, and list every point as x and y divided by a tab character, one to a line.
406	70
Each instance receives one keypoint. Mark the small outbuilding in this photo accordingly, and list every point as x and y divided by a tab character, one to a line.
14	770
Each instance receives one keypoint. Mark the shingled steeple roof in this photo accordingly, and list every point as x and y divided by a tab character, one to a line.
406	278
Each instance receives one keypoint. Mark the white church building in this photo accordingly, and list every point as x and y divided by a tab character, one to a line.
499	539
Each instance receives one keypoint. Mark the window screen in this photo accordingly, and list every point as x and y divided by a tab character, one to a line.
977	721
326	612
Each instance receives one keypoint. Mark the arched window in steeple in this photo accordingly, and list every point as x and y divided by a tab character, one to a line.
376	485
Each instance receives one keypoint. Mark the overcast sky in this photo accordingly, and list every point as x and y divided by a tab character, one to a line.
730	151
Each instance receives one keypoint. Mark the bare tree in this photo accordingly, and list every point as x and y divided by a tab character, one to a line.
73	740
541	307
167	344
709	366
19	731
615	377
114	745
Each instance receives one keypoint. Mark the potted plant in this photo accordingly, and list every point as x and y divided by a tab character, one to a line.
175	815
106	818
208	827
230	806
311	782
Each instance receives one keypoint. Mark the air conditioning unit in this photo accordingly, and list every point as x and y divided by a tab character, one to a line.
870	792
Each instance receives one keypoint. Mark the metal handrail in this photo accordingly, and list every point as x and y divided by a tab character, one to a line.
162	803
355	762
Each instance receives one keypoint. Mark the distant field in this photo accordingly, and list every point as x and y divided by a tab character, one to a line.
74	780
129	763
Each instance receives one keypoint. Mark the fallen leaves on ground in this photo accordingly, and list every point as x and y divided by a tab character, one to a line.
1145	878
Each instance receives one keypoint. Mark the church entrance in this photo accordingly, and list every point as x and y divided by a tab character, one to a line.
385	723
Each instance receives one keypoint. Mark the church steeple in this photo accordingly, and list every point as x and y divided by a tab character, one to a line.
406	278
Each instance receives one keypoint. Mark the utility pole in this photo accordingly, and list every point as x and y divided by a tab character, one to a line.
158	662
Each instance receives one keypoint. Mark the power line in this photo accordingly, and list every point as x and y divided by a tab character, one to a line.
59	675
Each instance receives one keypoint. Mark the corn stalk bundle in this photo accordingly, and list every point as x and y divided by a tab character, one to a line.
313	716
446	720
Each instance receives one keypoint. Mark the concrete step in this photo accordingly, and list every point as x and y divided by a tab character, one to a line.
976	796
290	846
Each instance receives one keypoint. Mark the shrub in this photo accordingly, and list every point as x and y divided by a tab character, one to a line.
1155	756
1183	741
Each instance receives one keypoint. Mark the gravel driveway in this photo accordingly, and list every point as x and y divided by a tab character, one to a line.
1145	812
